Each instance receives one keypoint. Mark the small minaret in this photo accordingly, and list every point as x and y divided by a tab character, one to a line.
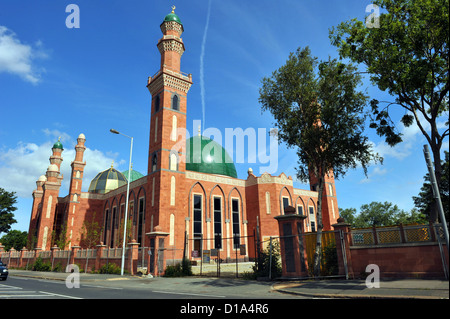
76	179
50	188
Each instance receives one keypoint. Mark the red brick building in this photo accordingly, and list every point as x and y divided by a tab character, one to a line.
182	194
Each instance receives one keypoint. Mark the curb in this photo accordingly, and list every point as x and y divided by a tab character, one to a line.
283	289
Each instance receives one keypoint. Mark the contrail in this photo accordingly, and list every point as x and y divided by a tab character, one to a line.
202	55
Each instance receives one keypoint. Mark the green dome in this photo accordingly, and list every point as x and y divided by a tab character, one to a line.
134	175
172	17
106	181
58	145
204	155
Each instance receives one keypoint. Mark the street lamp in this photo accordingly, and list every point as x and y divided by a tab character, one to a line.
126	204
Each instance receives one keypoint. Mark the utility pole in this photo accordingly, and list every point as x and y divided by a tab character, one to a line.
436	193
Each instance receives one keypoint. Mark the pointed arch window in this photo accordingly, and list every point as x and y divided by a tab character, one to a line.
175	102
154	162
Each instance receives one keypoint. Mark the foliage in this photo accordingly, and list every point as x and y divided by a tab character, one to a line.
407	56
319	111
424	200
110	268
263	265
14	238
329	262
381	214
90	232
40	265
61	240
178	270
7	201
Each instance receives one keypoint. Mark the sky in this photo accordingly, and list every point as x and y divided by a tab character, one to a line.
58	82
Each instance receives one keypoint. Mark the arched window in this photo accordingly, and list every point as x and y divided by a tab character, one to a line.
197	224
157	100
217	207
173	162
154	162
173	133
175	102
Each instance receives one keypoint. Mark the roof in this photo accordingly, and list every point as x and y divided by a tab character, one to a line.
106	181
207	156
134	175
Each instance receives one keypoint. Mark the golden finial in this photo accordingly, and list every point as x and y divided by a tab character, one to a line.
199	131
112	164
59	139
173	9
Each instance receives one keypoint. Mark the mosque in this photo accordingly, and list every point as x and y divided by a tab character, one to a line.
185	206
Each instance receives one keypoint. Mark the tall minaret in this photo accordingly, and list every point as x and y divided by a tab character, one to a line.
169	88
76	178
50	192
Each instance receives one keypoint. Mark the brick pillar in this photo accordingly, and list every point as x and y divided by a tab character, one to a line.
293	255
22	252
2	248
74	254
159	238
342	232
134	248
98	258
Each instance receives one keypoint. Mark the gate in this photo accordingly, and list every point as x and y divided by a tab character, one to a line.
333	257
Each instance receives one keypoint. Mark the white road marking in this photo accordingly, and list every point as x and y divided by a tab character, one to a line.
187	294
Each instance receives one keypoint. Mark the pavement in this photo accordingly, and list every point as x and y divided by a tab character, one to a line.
330	288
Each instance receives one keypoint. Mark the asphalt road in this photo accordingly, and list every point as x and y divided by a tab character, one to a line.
158	288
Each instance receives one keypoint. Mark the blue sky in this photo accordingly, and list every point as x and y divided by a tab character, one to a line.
56	81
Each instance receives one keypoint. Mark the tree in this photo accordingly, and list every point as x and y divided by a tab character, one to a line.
7	201
407	56
14	239
425	199
381	214
90	232
319	112
61	240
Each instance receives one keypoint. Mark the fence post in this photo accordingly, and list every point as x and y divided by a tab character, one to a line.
74	254
98	258
375	235
343	245
402	233
54	248
22	252
134	247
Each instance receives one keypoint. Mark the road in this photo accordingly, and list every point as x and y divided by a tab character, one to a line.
156	288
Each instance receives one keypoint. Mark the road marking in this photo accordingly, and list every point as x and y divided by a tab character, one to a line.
103	287
58	295
187	294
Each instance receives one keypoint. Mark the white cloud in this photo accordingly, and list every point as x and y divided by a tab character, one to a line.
21	166
16	57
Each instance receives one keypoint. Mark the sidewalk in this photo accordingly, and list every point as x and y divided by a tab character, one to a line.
395	288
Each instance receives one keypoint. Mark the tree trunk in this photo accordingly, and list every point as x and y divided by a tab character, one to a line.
318	250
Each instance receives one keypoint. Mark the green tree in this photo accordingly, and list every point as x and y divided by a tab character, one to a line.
348	214
407	56
319	112
7	201
90	232
425	199
381	214
14	238
61	240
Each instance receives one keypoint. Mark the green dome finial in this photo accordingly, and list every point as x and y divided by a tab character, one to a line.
58	144
172	16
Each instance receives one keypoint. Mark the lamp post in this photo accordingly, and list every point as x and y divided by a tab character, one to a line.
126	204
